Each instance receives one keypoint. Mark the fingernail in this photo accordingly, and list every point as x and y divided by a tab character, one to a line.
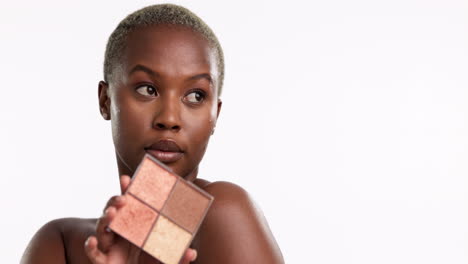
86	242
106	211
194	255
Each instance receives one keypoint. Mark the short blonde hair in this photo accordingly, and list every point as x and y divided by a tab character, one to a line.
156	15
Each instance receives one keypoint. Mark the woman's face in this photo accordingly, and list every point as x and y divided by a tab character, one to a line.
163	99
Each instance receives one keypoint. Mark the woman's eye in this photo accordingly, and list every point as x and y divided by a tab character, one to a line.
147	90
195	97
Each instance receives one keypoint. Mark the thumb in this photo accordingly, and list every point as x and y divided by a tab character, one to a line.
124	182
190	255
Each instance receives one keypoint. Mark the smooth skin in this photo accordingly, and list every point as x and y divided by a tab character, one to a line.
165	88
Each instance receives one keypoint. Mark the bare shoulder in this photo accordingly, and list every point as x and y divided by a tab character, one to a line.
231	199
235	230
57	239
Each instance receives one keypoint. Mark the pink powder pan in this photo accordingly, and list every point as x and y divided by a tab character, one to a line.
163	211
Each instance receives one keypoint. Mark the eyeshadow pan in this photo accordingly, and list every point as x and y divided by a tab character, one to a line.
125	221
163	212
167	241
152	183
186	206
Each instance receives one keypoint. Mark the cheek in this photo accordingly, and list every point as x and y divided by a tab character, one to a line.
115	120
127	121
199	125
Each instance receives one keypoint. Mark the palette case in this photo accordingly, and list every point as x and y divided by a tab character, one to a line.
162	212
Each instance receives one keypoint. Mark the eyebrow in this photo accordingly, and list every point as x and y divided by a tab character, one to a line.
142	68
201	76
149	71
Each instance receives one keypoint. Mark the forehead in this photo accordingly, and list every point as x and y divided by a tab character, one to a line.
170	50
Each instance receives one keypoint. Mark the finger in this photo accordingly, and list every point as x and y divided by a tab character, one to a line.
124	182
103	233
92	251
190	255
134	254
117	201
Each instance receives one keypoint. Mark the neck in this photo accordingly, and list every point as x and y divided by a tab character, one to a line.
192	175
122	167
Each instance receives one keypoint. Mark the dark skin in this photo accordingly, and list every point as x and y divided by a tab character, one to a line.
166	88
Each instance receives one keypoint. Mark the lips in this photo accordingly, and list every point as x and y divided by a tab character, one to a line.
166	151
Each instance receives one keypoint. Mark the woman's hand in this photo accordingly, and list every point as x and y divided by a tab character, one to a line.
108	247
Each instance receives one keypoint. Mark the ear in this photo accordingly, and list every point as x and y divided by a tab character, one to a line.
220	103
104	100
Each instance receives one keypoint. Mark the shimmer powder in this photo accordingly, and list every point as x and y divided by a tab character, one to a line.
134	212
186	206
167	241
153	184
163	212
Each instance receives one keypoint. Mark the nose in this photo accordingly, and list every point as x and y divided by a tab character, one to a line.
168	116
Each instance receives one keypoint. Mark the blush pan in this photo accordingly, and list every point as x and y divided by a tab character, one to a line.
163	211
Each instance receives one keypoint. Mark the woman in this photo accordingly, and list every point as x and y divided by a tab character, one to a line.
163	74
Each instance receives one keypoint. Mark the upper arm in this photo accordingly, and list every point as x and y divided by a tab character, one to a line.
235	230
46	246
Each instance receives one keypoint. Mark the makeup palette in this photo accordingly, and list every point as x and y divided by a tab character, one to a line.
163	211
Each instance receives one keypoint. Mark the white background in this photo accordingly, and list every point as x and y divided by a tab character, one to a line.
345	120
